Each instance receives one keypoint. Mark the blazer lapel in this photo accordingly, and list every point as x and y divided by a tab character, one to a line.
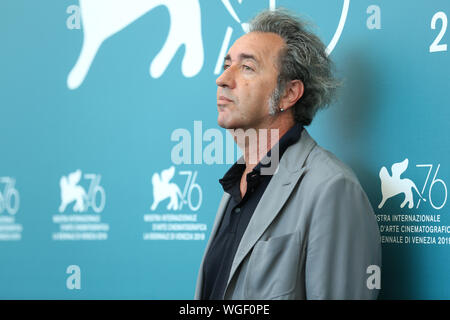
278	191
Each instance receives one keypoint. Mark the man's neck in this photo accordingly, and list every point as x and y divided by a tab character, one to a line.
255	143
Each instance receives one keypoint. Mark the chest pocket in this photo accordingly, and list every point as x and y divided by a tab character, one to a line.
273	267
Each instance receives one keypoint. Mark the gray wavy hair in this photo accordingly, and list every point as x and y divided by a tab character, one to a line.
302	58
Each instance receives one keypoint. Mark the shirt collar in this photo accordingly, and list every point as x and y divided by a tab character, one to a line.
235	172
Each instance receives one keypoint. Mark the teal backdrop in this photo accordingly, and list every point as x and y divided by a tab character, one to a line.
93	115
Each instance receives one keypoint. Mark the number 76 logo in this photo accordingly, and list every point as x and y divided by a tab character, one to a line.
72	192
392	185
164	189
9	197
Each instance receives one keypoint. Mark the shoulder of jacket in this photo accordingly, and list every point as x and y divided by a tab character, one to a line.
322	167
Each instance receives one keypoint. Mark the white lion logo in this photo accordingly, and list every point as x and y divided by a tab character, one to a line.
393	185
163	189
103	18
70	192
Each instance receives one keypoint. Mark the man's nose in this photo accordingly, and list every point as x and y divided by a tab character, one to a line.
226	79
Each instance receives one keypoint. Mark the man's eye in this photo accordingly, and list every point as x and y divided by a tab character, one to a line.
225	66
248	68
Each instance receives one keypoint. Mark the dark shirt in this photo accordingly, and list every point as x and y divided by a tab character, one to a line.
219	258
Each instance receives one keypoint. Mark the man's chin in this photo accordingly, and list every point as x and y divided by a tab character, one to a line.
230	125
223	123
227	125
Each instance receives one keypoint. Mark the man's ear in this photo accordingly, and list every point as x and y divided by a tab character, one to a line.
292	93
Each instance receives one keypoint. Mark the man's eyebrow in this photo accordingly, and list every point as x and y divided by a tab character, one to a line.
242	56
246	56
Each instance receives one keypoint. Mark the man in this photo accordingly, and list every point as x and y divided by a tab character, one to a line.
305	230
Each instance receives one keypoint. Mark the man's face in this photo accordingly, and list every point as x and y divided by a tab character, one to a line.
248	81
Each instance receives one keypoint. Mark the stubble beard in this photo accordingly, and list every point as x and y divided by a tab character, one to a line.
274	101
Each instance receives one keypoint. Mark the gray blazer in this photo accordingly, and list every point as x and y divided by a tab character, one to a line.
312	235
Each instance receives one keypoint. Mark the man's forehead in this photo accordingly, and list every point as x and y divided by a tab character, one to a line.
257	45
